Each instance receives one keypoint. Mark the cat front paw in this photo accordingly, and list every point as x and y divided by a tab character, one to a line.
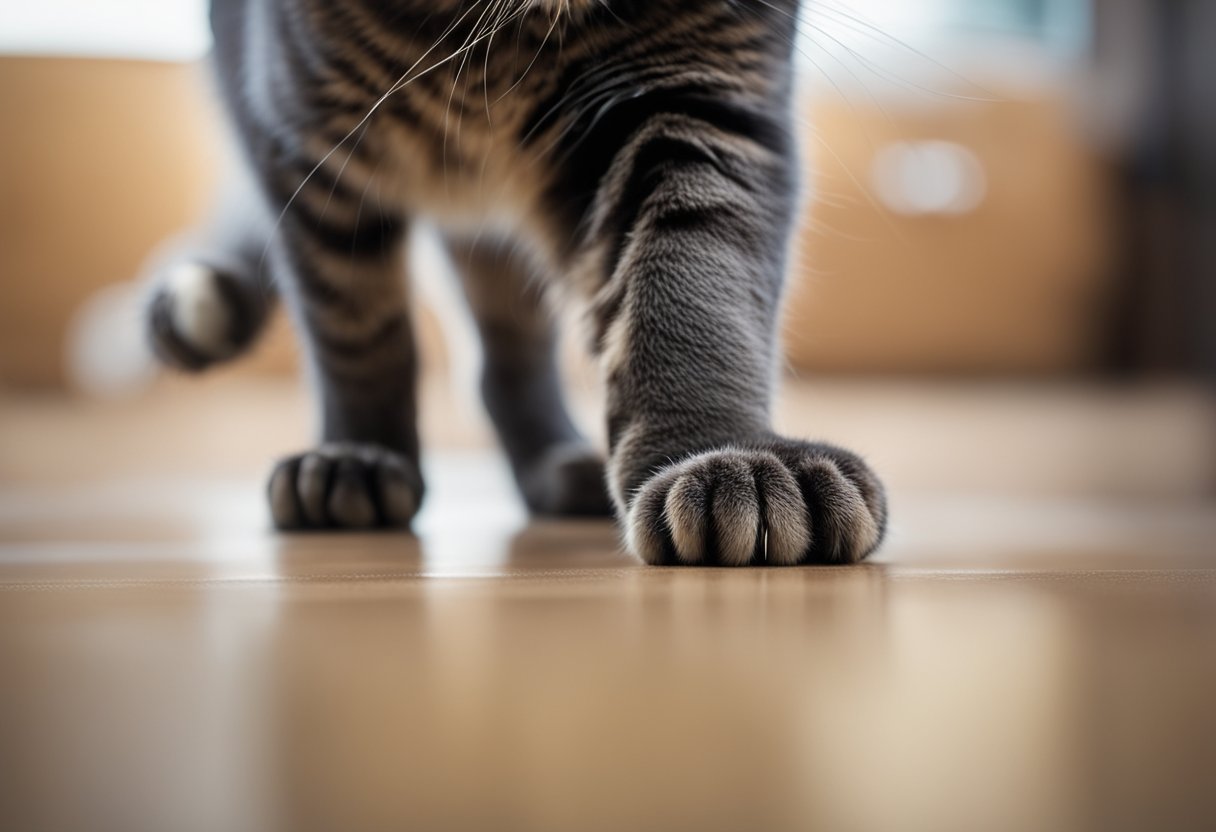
781	503
345	485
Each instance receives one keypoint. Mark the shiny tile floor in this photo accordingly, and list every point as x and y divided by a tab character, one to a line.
1008	662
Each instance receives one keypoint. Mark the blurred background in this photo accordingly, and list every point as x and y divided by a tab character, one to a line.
1005	291
1004	296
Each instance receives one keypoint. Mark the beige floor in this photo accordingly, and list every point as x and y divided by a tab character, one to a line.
1035	649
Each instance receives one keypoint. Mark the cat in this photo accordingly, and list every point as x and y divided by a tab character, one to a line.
636	157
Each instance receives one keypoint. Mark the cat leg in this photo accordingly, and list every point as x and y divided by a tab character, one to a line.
341	264
698	217
556	469
213	295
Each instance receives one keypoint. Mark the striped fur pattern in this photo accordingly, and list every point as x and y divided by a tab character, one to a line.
631	156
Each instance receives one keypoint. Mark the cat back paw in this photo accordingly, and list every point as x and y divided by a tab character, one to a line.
199	316
568	481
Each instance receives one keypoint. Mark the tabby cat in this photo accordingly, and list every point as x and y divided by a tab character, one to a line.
632	156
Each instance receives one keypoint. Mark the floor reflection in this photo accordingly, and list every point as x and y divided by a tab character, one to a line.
492	673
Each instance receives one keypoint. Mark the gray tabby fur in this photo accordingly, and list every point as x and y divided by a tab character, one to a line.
631	156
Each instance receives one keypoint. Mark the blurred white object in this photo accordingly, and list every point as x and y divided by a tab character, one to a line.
107	350
928	178
173	30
